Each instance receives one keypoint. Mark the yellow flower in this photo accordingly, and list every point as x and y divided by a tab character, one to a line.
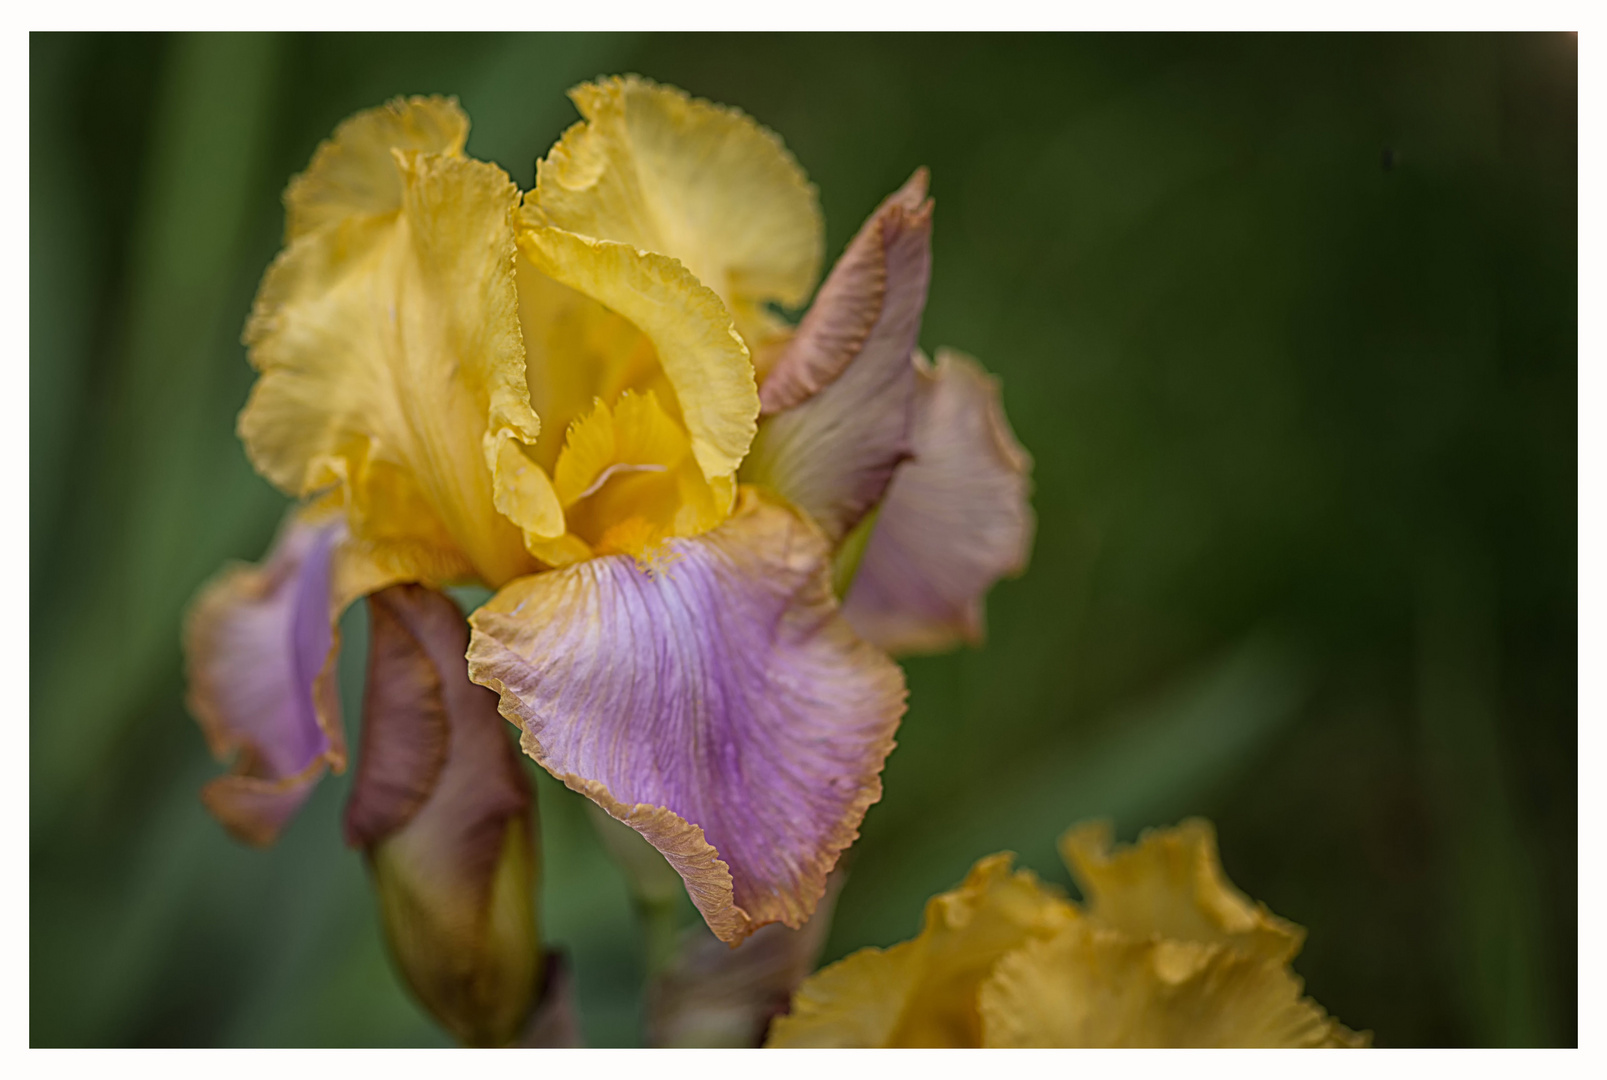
413	319
1164	952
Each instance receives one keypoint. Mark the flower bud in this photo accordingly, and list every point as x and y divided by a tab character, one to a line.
443	810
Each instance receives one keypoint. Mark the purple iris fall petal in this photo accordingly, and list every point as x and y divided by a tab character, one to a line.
718	704
261	644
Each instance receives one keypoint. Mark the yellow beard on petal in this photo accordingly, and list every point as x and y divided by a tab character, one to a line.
628	481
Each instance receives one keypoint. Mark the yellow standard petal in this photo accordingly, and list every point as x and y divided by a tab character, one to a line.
392	366
1170	885
1090	987
923	993
651	167
685	326
351	173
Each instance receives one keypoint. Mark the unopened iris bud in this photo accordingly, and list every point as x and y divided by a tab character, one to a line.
443	810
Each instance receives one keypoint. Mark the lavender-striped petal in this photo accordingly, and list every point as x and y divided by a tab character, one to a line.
260	646
716	703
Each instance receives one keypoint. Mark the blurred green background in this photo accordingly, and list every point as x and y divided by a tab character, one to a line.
1288	324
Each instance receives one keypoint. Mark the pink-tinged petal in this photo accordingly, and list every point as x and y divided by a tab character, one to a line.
838	401
717	703
846	309
441	805
956	518
260	644
406	729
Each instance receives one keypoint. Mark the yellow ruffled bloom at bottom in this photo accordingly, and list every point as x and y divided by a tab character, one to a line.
1164	952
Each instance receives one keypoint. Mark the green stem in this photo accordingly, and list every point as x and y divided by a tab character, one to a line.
661	932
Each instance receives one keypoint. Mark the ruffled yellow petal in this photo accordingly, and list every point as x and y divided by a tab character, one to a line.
856	1003
923	993
578	351
711	389
1170	885
352	174
1167	954
392	364
1089	987
653	168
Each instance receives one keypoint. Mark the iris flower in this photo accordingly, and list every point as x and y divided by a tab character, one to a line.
583	398
1163	952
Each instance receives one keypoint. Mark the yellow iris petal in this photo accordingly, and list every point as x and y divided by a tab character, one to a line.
1170	885
351	173
710	380
391	361
578	351
635	435
654	168
857	1002
1164	953
1088	987
924	992
628	481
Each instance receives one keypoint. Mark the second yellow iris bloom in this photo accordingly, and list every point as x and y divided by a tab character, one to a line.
1163	952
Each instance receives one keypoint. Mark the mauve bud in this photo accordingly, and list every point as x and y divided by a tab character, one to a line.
443	810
